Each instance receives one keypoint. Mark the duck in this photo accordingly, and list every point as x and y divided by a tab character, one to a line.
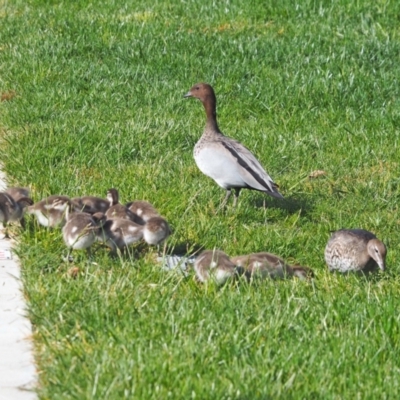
227	161
355	250
267	265
143	209
118	210
12	210
50	211
18	192
91	204
155	231
118	233
80	229
215	265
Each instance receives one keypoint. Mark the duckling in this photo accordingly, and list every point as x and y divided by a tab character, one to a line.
355	250
119	211
6	205
155	231
18	192
18	209
119	233
80	230
143	209
91	204
11	210
266	265
50	211
214	264
303	273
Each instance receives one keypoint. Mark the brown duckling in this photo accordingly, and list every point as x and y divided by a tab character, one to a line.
119	211
18	192
81	229
215	265
91	204
50	211
155	231
143	209
11	210
266	265
119	233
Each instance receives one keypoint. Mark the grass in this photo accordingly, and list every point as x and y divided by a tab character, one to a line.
93	99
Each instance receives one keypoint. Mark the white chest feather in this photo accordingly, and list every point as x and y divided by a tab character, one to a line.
217	163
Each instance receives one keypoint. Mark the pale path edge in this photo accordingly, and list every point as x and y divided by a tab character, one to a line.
18	374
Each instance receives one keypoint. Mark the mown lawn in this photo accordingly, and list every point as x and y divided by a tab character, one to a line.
93	98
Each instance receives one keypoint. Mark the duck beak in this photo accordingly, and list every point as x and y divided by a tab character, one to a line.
382	265
188	94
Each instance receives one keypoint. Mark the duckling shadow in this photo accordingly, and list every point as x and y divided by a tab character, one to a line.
293	204
364	277
370	277
185	248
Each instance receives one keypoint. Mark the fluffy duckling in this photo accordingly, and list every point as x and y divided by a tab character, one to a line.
354	250
80	230
50	211
119	233
155	231
143	209
266	265
91	204
214	264
18	192
119	211
11	210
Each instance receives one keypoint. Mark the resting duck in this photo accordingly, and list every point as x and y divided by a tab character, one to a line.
266	265
354	250
215	265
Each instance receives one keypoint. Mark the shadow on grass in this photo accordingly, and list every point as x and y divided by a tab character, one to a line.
292	204
185	248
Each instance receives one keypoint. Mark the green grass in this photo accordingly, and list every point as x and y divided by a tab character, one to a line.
99	103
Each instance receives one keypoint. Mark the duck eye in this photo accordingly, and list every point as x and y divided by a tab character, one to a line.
197	87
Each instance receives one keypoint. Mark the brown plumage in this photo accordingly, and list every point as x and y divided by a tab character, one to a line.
80	230
119	233
12	210
18	192
353	250
227	161
143	209
50	211
266	265
214	265
155	231
117	210
91	204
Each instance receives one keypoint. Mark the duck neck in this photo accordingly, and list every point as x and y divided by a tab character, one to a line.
210	105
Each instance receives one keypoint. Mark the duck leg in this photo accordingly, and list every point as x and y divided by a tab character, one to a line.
225	201
237	192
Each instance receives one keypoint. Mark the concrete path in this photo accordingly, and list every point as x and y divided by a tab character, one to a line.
17	368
